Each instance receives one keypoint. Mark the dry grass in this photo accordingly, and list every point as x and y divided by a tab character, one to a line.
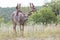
46	33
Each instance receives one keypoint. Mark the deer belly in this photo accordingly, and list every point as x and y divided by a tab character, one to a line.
16	19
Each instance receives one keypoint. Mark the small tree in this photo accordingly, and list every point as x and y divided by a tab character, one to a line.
44	15
58	20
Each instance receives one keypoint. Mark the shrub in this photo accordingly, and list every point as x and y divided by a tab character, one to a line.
44	15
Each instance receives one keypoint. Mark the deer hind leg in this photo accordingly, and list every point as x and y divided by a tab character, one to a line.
14	27
20	30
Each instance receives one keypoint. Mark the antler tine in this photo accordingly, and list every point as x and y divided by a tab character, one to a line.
32	4
17	6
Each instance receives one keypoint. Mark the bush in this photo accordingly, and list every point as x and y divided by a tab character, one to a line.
44	15
58	19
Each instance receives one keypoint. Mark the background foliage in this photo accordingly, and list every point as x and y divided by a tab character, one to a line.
48	13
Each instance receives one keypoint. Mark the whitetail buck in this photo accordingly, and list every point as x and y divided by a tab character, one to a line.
19	17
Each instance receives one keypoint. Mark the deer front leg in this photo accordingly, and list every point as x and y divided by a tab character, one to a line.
22	30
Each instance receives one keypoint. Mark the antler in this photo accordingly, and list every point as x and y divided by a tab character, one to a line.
18	6
33	6
32	9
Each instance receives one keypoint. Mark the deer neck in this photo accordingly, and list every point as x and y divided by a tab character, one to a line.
17	12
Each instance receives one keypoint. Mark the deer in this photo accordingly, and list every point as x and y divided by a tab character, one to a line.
18	17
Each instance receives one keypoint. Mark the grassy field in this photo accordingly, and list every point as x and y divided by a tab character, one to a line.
31	32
